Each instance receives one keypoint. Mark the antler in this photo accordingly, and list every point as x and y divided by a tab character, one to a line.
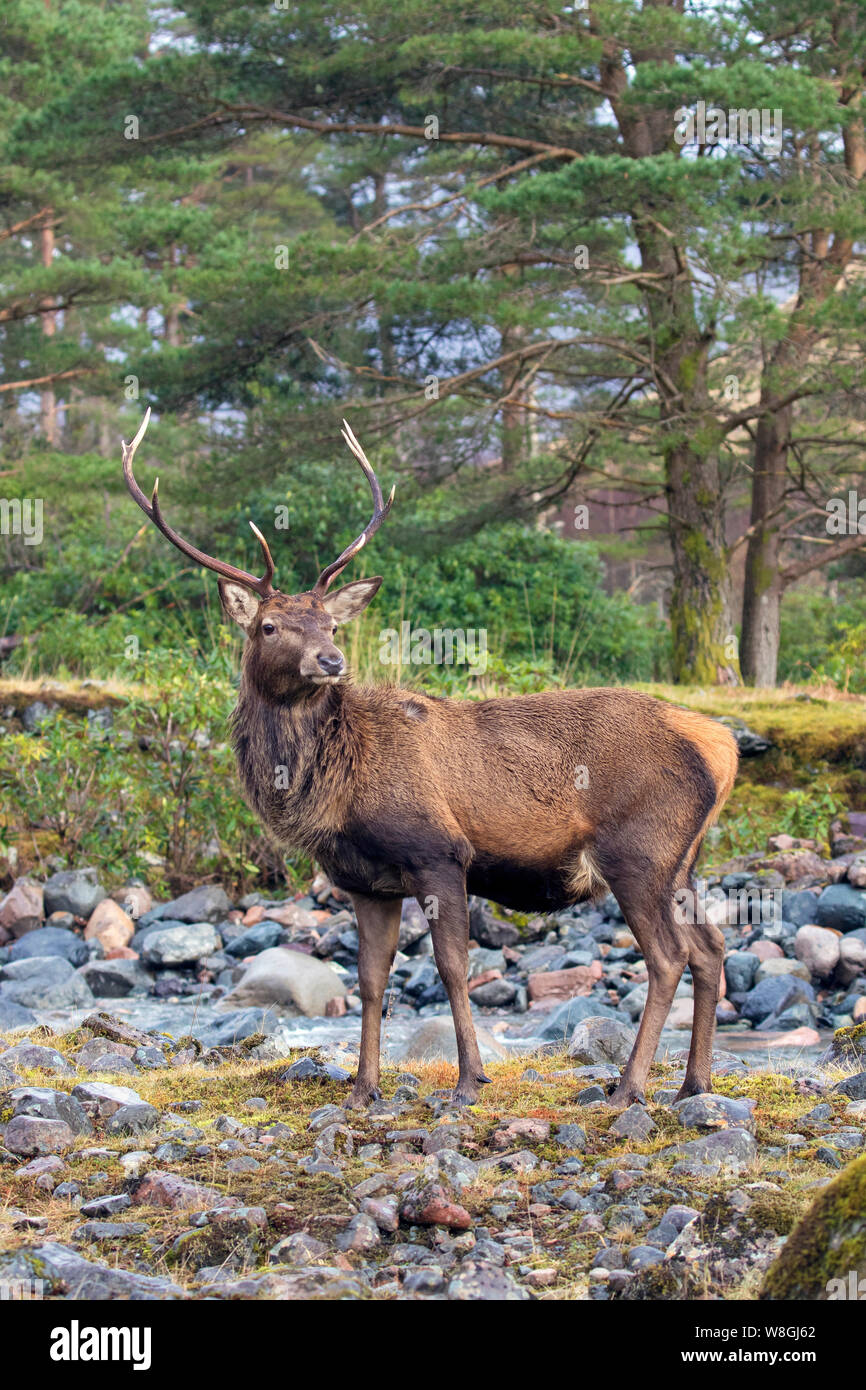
380	511
151	509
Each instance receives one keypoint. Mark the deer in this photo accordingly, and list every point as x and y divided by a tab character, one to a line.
535	802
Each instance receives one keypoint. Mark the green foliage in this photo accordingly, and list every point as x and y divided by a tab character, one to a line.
824	640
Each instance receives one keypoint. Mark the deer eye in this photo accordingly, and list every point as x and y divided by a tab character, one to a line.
268	629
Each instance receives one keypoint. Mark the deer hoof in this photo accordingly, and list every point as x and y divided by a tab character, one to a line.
361	1096
622	1099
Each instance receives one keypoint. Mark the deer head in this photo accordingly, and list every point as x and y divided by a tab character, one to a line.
290	637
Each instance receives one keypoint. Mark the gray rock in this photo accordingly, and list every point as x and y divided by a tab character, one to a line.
180	945
114	979
854	1087
48	1104
711	1112
496	994
28	1056
289	979
235	1026
842	908
733	1149
818	949
571	1137
51	941
643	1256
103	1099
560	1023
29	1135
34	716
70	1276
773	995
106	1206
135	1118
485	1283
435	1038
73	890
46	982
255	939
740	970
633	1123
601	1040
97	1231
206	904
14	1016
799	907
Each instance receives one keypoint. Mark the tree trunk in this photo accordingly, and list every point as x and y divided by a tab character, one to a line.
762	593
48	401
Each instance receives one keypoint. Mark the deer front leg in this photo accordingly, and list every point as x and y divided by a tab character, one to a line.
450	932
378	930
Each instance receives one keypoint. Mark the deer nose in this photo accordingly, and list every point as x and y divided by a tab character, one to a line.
331	665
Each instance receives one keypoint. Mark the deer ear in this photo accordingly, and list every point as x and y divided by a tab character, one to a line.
346	603
238	603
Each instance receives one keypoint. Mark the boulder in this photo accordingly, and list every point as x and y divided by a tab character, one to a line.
289	979
559	1025
435	1038
824	1257
852	958
114	979
210	903
841	907
51	941
770	969
73	890
109	925
21	910
27	1056
182	945
600	1040
44	982
43	1102
818	949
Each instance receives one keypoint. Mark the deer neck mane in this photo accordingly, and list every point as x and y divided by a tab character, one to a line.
298	759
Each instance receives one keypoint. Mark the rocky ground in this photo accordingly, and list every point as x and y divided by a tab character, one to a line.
171	1080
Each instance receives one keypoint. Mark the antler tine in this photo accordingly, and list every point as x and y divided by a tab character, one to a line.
152	509
380	511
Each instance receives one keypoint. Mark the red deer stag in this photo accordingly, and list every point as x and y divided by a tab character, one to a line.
535	801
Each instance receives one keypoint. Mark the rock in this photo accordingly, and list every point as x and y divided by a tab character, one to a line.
14	1016
413	924
73	890
44	982
260	937
633	1123
750	744
766	950
818	949
109	1231
235	1027
711	1112
733	1149
180	945
30	1135
206	904
51	941
177	1193
490	931
21	910
798	907
105	1026
28	1056
48	1104
642	1256
852	958
433	1204
485	1283
435	1038
572	1137
69	1275
114	979
824	1257
509	1132
740	969
841	907
772	969
384	1211
560	1023
102	1099
109	925
135	1118
288	979
559	985
773	995
854	1087
600	1040
682	1014
848	1047
134	898
106	1206
495	994
361	1234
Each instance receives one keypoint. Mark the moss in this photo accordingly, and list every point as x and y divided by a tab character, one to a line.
776	1211
828	1243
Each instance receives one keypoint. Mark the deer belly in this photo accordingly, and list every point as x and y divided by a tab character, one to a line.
524	887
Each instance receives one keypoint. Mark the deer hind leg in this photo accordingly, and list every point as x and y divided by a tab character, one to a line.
449	929
378	930
649	912
706	954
